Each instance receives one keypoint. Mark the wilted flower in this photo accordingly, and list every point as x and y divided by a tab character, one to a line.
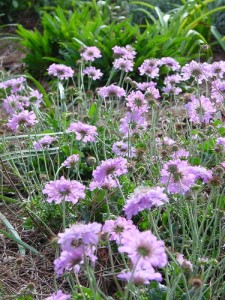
93	73
142	198
71	161
25	118
60	71
90	53
84	132
44	142
111	91
64	190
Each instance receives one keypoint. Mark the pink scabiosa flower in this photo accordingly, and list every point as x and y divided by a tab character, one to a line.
170	62
84	132
218	69
24	118
12	104
150	68
200	110
182	154
221	141
78	234
71	161
133	122
171	90
91	53
64	190
143	86
93	73
168	141
144	250
15	84
177	177
111	167
121	149
35	98
218	90
116	228
136	101
124	52
60	71
59	295
184	263
172	79
152	93
198	71
144	198
140	276
44	142
201	173
125	65
111	91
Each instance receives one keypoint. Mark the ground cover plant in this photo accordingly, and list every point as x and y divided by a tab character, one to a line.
125	181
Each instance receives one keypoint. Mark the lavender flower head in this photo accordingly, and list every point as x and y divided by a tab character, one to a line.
136	101
144	198
218	69
93	73
124	52
121	149
35	98
111	91
133	122
196	70
64	190
200	110
15	84
44	142
60	71
116	228
24	118
140	276
13	105
144	250
59	295
71	161
125	65
84	132
170	62
91	53
218	90
184	263
143	86
150	68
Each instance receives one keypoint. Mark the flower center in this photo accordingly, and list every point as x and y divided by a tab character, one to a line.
143	251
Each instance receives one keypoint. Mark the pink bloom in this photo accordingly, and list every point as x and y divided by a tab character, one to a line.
197	70
35	98
108	184
133	122
13	105
64	190
171	90
172	79
201	173
44	142
124	52
71	161
25	118
77	234
60	71
121	149
152	93
84	132
218	69
59	295
15	84
90	53
140	276
144	198
221	141
123	64
136	101
180	154
150	68
200	110
93	73
184	263
170	62
111	91
143	86
116	228
218	90
144	250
